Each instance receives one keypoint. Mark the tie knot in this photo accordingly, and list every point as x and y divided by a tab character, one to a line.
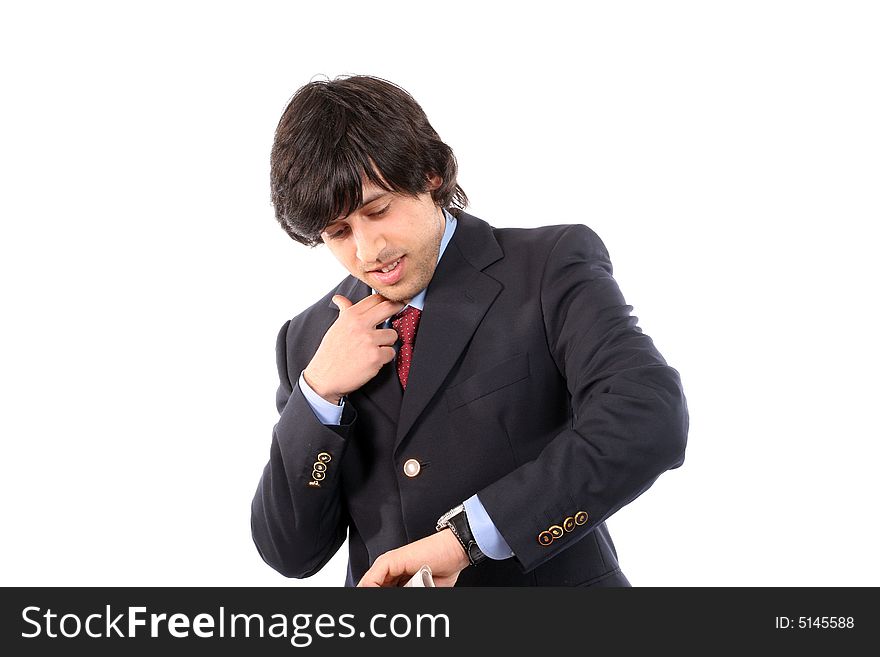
406	323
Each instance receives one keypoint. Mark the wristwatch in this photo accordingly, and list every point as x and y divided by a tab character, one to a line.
456	520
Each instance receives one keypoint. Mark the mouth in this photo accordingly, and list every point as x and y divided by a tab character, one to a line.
391	273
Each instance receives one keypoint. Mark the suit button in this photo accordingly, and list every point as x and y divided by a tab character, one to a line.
580	517
412	468
545	538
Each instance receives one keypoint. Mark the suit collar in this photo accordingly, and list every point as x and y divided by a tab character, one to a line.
476	242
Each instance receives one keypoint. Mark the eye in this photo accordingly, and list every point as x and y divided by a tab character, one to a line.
381	212
338	234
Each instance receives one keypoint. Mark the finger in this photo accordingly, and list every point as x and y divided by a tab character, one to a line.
386	336
368	302
375	576
382	311
343	303
387	354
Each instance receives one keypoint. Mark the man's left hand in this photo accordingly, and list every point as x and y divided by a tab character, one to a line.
441	551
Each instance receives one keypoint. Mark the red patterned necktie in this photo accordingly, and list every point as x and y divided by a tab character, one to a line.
406	323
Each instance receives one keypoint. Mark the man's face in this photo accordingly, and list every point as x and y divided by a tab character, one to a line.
390	227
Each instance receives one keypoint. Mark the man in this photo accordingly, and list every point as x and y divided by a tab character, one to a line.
471	398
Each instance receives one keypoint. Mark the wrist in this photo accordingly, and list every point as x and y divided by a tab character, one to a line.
315	384
457	522
456	548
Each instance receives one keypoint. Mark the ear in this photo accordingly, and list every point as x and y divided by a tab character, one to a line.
434	181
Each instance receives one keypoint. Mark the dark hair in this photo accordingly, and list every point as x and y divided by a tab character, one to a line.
333	134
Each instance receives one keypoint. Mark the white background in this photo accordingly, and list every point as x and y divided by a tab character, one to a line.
727	154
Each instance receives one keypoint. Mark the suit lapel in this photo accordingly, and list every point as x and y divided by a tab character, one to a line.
458	297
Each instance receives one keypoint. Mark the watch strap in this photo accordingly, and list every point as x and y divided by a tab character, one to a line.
458	523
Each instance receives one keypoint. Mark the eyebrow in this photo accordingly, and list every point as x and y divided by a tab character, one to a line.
376	196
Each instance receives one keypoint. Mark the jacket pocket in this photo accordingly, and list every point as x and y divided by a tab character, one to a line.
498	376
612	579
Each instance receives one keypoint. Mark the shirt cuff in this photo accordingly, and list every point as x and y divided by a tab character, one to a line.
326	412
487	536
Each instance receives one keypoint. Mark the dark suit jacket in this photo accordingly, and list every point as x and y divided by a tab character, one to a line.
531	384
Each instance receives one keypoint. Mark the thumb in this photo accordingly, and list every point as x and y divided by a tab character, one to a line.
341	302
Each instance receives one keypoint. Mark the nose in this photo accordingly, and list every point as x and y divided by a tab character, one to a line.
369	241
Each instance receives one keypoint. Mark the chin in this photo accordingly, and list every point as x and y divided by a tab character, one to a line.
398	293
396	296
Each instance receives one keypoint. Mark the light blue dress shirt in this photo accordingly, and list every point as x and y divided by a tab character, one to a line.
488	537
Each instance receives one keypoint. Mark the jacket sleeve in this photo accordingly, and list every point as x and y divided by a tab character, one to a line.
629	417
298	517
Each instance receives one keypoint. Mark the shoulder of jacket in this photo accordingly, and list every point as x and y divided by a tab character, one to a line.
547	238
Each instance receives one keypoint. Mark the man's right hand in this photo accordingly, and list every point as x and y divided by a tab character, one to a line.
353	350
